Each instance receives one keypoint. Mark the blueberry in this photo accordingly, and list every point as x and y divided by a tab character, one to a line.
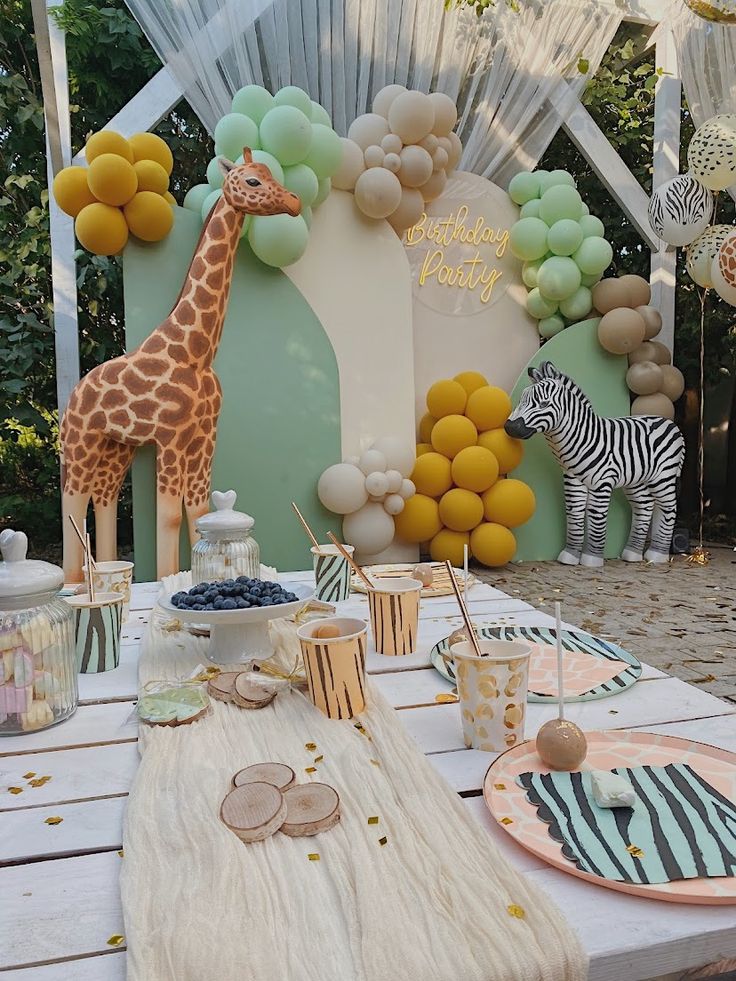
240	603
217	604
243	581
208	606
229	604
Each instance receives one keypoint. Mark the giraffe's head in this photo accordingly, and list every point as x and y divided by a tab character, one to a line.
545	403
250	187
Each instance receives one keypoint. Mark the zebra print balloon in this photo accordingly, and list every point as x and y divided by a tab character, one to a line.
641	454
680	210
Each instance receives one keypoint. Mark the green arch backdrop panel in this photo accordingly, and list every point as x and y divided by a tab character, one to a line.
602	376
280	421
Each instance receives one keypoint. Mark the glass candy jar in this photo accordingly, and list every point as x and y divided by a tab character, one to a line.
38	675
226	549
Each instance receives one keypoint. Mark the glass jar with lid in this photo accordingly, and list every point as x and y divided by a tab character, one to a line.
226	549
38	674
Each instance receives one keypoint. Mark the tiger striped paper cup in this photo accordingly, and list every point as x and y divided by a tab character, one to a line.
331	573
97	627
335	666
394	611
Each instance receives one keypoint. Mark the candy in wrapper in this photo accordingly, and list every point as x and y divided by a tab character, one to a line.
173	706
610	790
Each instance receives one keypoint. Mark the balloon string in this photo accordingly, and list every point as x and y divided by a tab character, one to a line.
701	422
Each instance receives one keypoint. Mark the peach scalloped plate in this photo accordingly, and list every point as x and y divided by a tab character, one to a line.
507	802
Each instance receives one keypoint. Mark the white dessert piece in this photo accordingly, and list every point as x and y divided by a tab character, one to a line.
611	790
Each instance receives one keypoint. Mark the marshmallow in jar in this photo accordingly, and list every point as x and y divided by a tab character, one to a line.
226	548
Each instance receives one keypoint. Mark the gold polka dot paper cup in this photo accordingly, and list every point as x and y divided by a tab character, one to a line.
394	612
492	691
335	666
113	577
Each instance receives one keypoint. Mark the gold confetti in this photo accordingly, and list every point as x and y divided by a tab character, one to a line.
39	781
516	911
375	762
27	776
506	821
318	759
372	820
635	851
445	697
115	940
310	746
15	790
53	820
698	557
310	769
613	711
499	786
382	841
313	856
121	853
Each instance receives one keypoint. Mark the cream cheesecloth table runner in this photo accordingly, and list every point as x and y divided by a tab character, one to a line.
432	904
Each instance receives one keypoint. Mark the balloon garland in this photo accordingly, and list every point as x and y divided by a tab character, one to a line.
563	248
124	189
294	137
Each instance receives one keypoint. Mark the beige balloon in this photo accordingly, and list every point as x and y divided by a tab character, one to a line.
391	143
440	159
446	143
409	211
621	330
644	378
392	162
434	186
377	192
429	143
653	405
640	292
352	165
411	116
645	352
652	319
416	166
455	152
374	156
384	99
368	129
609	294
445	113
662	354
673	384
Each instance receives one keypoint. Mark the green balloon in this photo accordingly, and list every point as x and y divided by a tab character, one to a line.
594	255
530	209
194	198
209	202
292	95
529	273
234	132
302	180
586	209
320	114
215	176
558	278
528	238
325	153
538	306
549	326
524	187
278	240
542	175
592	226
253	101
246	225
564	237
578	305
263	157
590	280
559	177
558	202
287	134
307	216
325	186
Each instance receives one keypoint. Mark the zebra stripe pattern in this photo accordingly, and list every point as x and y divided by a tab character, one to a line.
681	827
394	621
683	203
336	675
97	631
332	578
643	455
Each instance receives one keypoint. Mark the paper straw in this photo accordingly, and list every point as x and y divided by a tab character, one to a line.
463	608
465	573
560	673
353	565
305	526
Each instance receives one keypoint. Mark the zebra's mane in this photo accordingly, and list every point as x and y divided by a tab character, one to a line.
547	372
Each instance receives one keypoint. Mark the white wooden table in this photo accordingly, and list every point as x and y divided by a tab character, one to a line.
59	900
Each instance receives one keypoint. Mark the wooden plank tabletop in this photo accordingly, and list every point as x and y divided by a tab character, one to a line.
59	900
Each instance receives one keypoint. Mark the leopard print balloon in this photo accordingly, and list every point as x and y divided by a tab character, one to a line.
711	155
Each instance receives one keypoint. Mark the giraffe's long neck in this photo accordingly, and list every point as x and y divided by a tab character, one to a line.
198	316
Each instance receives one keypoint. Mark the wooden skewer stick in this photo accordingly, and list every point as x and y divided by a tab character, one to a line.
305	526
560	673
79	535
463	608
90	571
465	573
351	562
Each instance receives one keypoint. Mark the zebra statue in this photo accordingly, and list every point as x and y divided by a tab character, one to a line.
641	454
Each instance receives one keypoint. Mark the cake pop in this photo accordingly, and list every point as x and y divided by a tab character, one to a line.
423	572
561	744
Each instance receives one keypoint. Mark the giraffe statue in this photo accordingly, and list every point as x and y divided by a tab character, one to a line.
164	392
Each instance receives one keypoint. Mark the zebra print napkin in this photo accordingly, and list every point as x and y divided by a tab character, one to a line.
681	827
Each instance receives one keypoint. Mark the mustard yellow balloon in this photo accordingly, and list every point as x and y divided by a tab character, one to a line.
509	502
448	544
112	179
460	510
71	191
423	448
492	544
149	217
446	398
151	176
452	434
419	521
148	146
169	198
475	469
108	142
506	450
432	474
488	407
471	380
426	424
101	229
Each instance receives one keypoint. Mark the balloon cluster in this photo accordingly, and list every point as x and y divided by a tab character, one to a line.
398	157
123	190
629	326
370	490
681	209
294	137
561	244
462	497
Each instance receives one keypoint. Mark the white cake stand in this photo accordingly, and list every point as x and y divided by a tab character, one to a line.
241	635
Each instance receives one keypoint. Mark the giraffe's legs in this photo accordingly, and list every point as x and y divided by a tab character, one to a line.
198	481
169	490
75	506
112	468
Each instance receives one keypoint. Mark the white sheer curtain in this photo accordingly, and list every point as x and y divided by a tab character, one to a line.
500	67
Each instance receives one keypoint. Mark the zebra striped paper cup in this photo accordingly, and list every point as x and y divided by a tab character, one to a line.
331	573
335	666
97	627
394	610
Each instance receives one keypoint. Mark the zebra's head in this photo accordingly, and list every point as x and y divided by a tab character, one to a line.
543	404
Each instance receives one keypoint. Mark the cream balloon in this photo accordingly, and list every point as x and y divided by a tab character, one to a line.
370	529
652	321
372	460
392	162
411	116
409	211
639	290
644	378
341	488
407	489
351	167
446	143
700	254
430	143
662	354
376	484
377	192
374	156
621	330
609	294
652	405
440	159
384	99
398	453
673	382
394	478
723	270
445	113
394	504
391	143
434	186
368	129
416	166
455	151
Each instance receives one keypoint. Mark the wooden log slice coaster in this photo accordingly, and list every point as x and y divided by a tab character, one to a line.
221	686
254	811
311	808
277	774
249	695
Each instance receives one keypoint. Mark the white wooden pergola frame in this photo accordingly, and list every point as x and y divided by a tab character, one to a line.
159	96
